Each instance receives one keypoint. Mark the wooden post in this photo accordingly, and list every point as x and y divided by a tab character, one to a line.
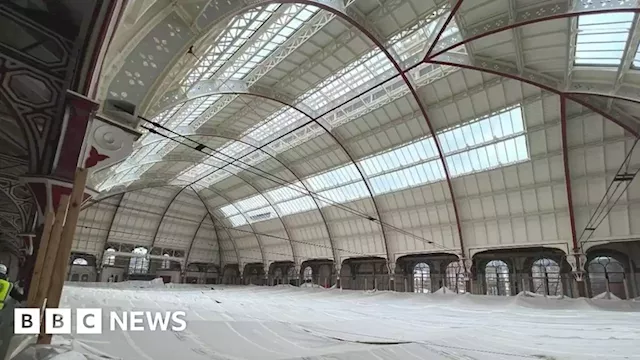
66	241
43	248
40	292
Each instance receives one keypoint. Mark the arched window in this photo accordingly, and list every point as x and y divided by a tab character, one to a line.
80	261
545	277
139	264
455	277
497	276
109	257
603	269
421	278
166	264
308	274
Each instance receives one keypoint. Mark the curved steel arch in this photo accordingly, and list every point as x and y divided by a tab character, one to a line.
123	193
534	80
90	203
285	166
230	87
378	43
563	97
338	9
332	7
206	208
304	185
530	15
113	219
215	230
213	221
193	240
264	259
164	213
315	120
623	97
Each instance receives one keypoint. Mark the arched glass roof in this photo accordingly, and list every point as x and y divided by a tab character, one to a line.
297	131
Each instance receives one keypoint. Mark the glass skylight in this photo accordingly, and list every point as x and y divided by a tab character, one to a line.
412	42
602	38
369	69
269	40
227	43
229	210
333	178
416	175
485	143
237	220
295	206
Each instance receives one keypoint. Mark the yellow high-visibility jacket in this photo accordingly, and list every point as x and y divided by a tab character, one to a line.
5	290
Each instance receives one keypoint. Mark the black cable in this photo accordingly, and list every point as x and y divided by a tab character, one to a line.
201	147
238	230
151	213
600	210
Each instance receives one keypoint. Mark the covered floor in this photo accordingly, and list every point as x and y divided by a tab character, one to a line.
285	322
485	147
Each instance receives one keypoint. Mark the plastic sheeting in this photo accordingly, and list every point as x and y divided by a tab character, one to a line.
70	350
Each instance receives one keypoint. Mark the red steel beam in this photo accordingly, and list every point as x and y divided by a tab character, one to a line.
444	27
608	96
532	21
421	106
543	87
567	173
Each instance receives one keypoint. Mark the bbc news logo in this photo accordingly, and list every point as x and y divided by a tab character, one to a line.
90	321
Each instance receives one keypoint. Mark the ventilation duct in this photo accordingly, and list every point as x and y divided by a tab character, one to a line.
122	112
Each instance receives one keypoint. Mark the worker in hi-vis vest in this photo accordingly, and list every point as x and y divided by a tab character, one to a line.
7	288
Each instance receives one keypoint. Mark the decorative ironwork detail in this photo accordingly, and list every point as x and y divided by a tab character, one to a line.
604	4
150	57
16	205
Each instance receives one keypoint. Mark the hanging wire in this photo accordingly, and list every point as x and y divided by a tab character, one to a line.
263	174
231	229
604	207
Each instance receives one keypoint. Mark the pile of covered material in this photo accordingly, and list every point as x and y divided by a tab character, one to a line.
61	350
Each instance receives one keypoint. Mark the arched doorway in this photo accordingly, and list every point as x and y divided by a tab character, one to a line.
109	257
308	274
277	276
606	275
545	277
80	261
139	263
496	274
455	277
421	278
